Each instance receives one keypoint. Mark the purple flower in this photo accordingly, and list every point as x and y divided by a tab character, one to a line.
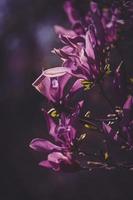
52	84
86	56
60	156
80	54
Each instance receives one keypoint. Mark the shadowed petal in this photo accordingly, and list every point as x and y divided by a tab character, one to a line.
129	103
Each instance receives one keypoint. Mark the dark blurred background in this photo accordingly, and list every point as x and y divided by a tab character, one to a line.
26	39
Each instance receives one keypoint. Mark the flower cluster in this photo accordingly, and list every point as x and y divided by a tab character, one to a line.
85	57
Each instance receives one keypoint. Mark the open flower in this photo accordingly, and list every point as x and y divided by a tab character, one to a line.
57	84
60	156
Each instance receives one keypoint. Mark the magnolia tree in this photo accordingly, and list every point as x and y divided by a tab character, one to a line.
86	64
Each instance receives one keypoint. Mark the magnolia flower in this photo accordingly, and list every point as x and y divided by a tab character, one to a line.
80	54
60	155
85	60
57	84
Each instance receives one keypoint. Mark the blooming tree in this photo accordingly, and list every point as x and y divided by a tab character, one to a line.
86	64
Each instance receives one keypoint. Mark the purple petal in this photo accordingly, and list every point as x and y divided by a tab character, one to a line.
43	145
63	31
71	63
77	111
79	28
45	163
72	134
113	134
48	84
129	103
51	125
77	39
107	129
57	157
55	160
64	53
43	84
49	165
90	43
77	85
63	81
